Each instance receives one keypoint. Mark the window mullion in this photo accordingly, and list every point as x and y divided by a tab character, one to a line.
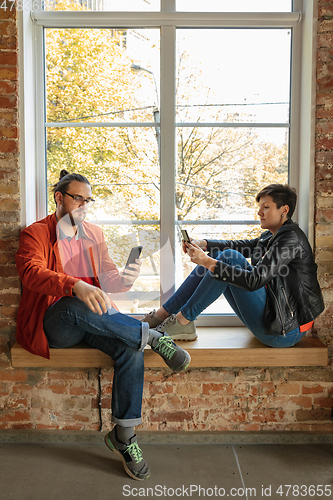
168	155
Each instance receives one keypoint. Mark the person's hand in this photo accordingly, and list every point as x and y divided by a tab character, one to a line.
131	273
198	256
97	300
200	243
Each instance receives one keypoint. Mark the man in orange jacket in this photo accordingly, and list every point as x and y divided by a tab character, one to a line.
66	273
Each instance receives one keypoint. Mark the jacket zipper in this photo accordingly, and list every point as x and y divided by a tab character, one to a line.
278	306
285	296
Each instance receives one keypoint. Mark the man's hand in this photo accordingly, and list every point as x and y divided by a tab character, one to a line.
198	256
94	297
131	273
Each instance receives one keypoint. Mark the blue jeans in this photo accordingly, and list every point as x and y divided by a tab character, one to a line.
70	321
201	288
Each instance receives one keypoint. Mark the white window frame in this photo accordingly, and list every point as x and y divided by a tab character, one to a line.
302	20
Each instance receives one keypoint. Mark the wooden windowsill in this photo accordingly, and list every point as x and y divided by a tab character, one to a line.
215	347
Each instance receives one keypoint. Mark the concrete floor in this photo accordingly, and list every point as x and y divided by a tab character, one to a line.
89	471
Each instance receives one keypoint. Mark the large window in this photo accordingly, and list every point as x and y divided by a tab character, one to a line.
177	115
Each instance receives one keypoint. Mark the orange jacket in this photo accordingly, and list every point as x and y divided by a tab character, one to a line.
40	269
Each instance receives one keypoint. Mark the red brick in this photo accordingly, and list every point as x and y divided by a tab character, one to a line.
267	388
19	426
288	388
164	389
325	40
324	143
324	215
106	403
9	58
58	389
324	172
325	25
8	102
9	299
208	388
16	416
9	73
312	390
21	388
303	401
8	146
8	88
322	427
324	113
324	128
8	117
176	416
79	391
9	12
261	415
235	416
325	83
7	28
317	414
16	403
9	282
323	402
8	42
8	312
325	9
67	375
13	376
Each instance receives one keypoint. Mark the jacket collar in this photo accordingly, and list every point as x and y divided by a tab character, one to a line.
287	226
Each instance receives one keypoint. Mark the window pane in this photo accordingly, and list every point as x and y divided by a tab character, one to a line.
110	5
121	164
233	75
145	293
220	170
234	6
102	75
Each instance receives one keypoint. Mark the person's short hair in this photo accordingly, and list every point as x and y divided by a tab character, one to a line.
65	178
281	194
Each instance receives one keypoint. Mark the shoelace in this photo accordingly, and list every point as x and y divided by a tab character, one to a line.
151	313
135	451
166	321
165	347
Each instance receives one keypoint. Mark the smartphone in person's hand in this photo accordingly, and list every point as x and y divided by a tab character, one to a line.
134	254
185	235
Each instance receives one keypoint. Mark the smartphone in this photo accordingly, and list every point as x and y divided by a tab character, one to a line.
185	235
134	254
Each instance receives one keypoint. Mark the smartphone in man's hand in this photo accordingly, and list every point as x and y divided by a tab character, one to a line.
134	254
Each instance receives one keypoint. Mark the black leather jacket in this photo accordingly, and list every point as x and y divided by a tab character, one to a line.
284	263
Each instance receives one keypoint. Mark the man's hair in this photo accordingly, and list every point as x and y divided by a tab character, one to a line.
281	194
65	178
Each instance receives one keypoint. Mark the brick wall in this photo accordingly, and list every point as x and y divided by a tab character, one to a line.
9	181
203	399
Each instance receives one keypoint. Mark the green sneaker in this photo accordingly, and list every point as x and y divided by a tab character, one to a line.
174	356
131	455
177	331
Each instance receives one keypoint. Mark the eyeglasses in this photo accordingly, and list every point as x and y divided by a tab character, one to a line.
79	200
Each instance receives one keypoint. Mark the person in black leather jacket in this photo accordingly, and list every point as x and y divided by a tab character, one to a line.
277	296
